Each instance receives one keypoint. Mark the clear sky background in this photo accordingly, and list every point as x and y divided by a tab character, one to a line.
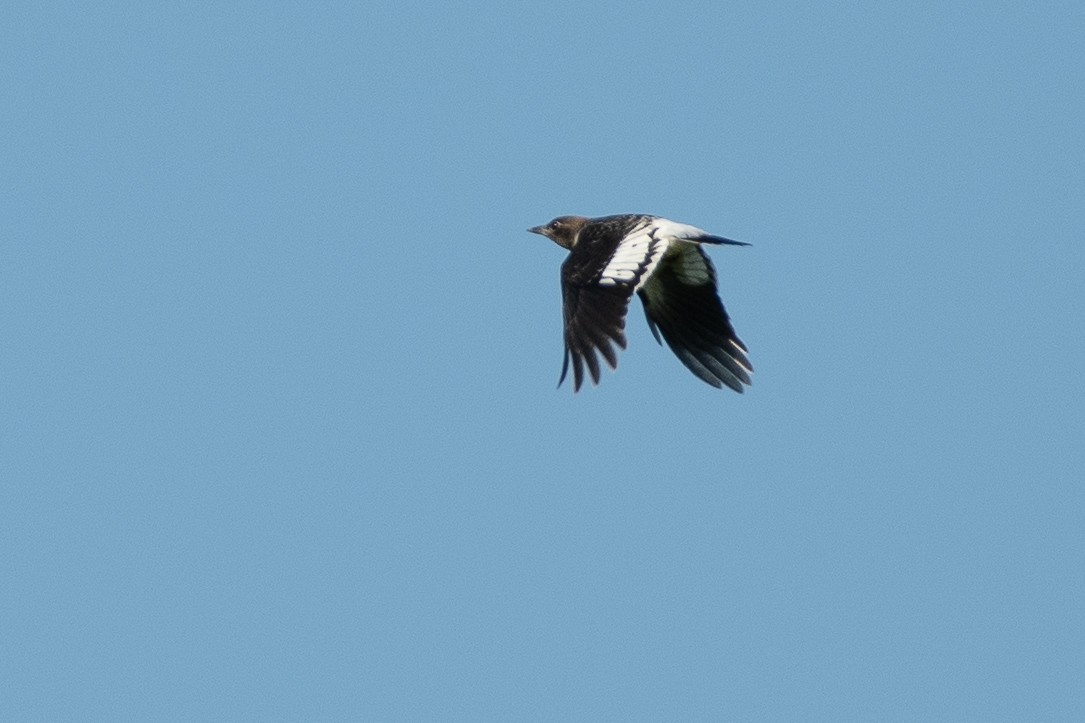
280	433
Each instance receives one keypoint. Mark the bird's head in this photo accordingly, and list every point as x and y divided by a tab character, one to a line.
562	230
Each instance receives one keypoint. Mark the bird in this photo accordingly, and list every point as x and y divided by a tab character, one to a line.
664	263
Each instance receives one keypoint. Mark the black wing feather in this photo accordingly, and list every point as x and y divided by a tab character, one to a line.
594	314
686	310
594	322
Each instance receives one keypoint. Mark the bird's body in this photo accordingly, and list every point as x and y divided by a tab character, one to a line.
613	257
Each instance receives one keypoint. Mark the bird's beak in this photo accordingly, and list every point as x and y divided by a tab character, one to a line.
541	230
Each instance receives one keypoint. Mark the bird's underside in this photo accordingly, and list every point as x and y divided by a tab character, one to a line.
662	262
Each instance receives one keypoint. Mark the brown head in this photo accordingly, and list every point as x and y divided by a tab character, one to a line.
563	230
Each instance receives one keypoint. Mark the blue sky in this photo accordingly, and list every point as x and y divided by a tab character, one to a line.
281	437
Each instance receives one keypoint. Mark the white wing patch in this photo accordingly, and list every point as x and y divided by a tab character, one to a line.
635	258
639	253
666	229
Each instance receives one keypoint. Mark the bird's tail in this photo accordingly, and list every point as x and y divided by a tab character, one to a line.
710	239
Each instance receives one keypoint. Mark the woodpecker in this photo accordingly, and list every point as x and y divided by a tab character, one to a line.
664	263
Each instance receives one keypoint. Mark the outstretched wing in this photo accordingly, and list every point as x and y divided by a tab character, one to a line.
682	303
594	322
609	262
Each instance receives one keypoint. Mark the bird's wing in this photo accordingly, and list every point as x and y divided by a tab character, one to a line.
681	303
594	321
598	279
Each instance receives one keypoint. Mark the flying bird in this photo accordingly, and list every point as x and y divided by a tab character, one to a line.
664	263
